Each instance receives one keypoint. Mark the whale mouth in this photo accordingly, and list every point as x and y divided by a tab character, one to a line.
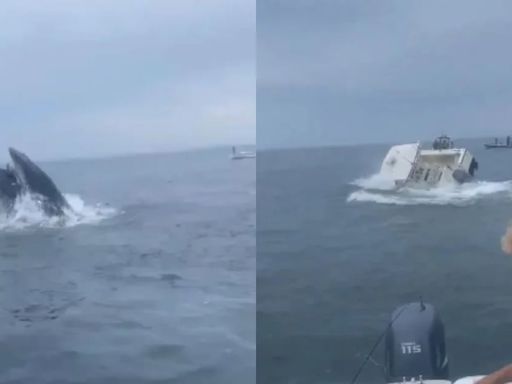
15	154
32	180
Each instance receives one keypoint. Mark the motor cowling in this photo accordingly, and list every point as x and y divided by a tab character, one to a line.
473	167
415	345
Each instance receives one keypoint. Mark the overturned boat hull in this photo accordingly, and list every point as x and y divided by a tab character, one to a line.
408	165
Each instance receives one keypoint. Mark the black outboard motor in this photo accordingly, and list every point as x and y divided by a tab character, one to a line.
473	167
415	345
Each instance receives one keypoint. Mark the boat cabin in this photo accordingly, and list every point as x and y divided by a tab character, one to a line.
442	142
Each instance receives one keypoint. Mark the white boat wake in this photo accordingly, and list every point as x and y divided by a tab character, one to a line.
27	213
377	189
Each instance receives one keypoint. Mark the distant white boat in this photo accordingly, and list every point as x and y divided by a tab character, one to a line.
410	165
235	155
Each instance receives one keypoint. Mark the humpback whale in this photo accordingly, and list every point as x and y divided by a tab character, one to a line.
25	177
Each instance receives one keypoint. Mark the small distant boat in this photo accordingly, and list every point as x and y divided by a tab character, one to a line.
499	144
235	155
409	165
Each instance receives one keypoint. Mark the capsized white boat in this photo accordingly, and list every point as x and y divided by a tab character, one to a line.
415	350
239	155
412	166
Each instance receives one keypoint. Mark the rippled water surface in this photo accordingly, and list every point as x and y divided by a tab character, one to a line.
338	251
151	280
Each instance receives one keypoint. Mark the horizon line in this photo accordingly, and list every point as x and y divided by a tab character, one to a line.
358	144
120	155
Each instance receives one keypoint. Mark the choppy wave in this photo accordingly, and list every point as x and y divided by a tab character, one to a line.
378	190
28	213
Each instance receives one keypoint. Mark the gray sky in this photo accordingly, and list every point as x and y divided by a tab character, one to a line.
344	72
99	77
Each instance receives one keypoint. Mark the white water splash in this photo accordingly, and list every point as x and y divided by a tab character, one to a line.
378	190
27	213
376	181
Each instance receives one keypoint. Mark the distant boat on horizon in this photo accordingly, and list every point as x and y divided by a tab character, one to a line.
499	144
235	155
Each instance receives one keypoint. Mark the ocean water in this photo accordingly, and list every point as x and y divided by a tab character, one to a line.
338	252
150	280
